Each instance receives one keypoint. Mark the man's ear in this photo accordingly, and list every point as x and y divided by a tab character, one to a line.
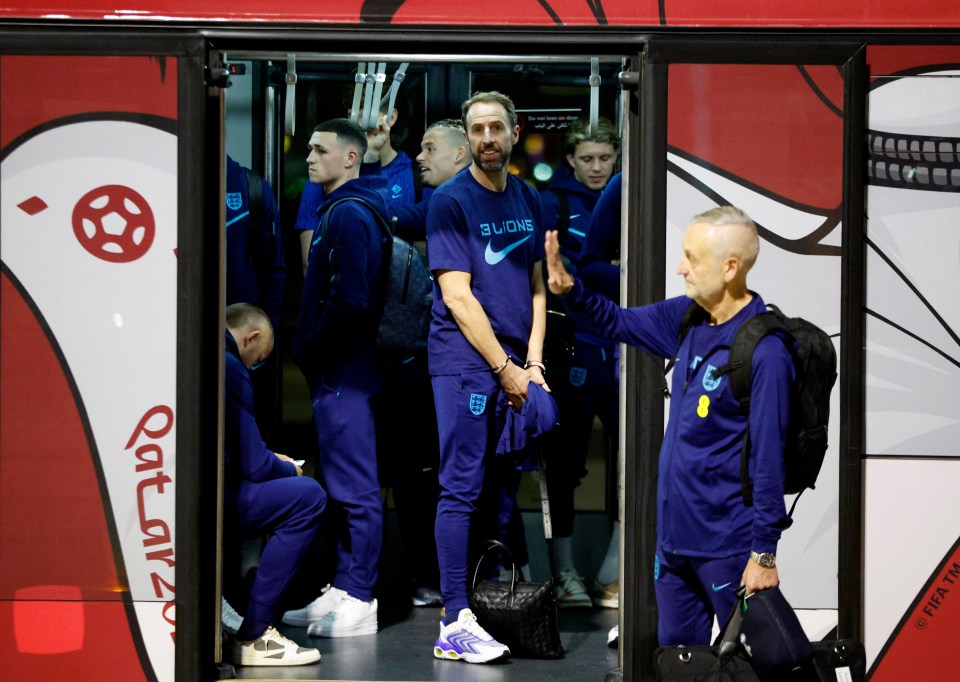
350	157
251	337
570	160
731	268
392	118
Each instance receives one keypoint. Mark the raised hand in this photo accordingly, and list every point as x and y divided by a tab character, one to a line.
559	280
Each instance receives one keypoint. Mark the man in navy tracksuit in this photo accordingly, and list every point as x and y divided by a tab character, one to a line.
255	269
334	346
264	493
586	383
708	541
573	191
484	244
254	252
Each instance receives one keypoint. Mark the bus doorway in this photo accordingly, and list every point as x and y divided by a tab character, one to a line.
274	101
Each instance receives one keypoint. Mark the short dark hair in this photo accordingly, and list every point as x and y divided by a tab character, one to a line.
242	315
346	130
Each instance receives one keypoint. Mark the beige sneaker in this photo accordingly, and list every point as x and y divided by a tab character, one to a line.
273	649
571	592
607	596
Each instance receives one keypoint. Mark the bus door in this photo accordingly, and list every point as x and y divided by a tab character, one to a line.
767	129
101	237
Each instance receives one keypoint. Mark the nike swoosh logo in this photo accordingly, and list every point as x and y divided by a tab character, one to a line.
493	257
575	215
236	218
717	588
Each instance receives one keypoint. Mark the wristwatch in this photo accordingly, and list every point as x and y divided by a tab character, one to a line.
765	559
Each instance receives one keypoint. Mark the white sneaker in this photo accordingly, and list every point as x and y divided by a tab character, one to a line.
229	618
348	618
613	637
272	648
465	640
315	610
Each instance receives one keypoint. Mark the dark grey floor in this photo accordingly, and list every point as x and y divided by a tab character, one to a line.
404	651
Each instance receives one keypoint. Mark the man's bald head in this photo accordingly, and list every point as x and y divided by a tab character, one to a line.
253	332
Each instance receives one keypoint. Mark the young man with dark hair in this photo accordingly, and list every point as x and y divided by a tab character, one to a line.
334	347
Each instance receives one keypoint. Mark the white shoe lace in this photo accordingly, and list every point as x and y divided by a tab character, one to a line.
471	625
274	634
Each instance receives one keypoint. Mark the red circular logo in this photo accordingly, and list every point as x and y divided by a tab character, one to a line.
114	223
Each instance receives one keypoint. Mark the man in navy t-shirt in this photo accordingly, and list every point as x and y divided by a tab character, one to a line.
485	247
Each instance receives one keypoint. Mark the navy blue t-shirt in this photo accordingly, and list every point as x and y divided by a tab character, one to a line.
497	237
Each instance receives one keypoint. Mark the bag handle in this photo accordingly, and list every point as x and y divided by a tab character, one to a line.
729	636
496	544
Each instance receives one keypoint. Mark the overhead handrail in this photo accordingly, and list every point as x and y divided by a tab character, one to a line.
594	94
290	105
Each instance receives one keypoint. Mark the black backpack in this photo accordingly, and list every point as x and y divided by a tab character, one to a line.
408	297
815	362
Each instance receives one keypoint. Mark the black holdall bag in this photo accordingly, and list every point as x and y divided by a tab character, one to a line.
522	615
837	660
771	636
722	662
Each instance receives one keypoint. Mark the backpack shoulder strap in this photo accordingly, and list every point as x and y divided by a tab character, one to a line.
741	352
741	358
254	196
385	227
381	221
693	315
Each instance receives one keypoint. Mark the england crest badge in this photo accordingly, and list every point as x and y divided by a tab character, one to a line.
234	200
578	375
478	403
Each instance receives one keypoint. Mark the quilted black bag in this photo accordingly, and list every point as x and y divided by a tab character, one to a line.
522	615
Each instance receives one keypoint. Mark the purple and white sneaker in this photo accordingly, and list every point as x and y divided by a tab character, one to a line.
465	640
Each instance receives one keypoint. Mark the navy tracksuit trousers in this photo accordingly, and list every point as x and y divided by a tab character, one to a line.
477	489
587	388
343	418
287	510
